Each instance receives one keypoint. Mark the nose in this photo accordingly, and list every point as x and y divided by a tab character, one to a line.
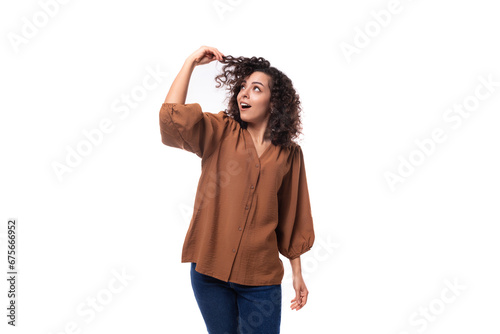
244	93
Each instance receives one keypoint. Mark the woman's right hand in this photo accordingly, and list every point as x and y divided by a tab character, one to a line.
205	55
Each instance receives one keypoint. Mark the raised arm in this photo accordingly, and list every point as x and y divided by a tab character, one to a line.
186	126
178	89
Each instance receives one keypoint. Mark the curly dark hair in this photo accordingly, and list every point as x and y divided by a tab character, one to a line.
284	123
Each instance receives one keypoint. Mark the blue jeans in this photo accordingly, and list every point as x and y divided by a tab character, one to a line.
231	308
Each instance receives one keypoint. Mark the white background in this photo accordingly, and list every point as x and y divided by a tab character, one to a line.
382	256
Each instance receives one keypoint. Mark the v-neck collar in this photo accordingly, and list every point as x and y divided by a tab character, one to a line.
249	137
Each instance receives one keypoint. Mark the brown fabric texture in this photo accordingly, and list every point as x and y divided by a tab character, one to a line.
247	209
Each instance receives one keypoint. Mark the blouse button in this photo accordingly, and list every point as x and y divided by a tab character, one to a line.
257	165
239	228
234	250
251	187
246	207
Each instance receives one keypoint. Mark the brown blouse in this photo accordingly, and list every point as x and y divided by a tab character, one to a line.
247	209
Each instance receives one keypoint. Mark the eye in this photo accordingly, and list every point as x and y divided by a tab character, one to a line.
243	86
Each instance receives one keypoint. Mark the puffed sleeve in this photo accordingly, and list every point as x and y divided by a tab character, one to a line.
295	232
187	127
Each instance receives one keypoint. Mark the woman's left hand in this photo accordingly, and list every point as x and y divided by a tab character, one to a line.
301	293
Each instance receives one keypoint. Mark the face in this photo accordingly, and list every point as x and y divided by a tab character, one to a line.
255	91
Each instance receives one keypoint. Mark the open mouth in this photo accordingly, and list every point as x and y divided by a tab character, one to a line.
245	106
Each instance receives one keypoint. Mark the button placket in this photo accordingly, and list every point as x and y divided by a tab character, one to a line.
247	207
252	153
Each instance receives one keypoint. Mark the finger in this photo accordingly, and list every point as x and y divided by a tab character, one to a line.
215	52
304	300
221	55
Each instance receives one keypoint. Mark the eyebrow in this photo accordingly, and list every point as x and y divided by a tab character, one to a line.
255	82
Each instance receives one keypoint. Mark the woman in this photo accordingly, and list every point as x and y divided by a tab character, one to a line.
252	201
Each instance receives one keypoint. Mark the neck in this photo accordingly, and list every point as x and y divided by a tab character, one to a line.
258	132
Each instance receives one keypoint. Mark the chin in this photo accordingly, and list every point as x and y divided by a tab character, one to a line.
244	118
243	115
